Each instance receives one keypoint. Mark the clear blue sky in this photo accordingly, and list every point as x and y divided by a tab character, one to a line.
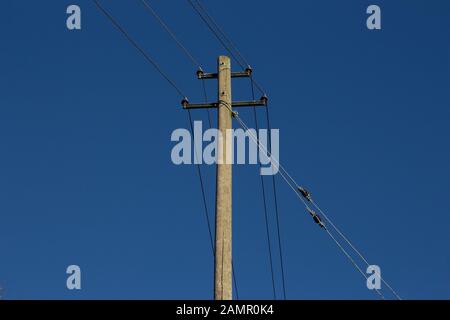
85	170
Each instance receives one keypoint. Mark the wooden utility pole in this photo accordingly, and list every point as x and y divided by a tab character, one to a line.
223	256
223	277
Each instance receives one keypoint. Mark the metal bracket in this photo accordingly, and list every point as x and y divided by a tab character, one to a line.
240	74
237	104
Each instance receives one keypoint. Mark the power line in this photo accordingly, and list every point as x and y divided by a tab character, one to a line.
199	173
205	96
244	126
334	227
170	32
353	247
225	37
138	47
276	205
283	171
218	32
185	50
215	32
351	260
264	204
293	187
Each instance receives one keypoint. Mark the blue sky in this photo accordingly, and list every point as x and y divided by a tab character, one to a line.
85	170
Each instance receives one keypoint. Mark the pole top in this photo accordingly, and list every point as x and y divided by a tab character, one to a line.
224	60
